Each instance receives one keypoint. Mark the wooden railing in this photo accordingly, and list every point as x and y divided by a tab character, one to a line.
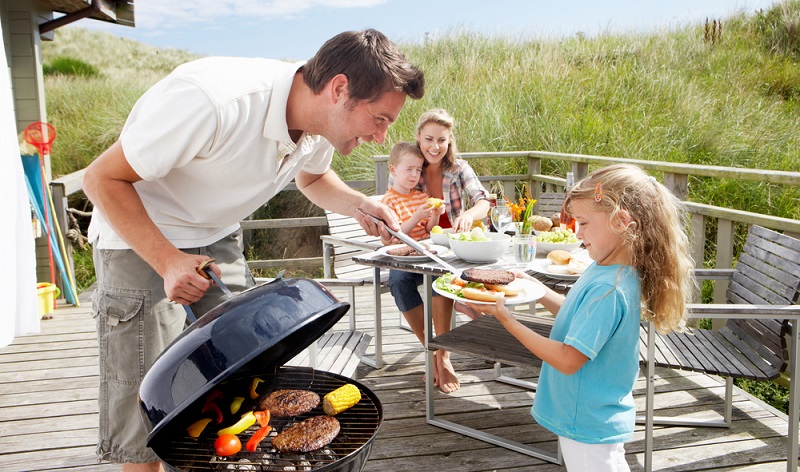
675	176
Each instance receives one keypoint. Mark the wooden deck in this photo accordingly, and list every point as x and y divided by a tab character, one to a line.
48	410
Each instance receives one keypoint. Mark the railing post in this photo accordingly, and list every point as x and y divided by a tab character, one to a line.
534	168
697	244
724	260
580	170
381	174
678	184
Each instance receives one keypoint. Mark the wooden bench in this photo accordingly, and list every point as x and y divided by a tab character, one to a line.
336	351
548	203
347	239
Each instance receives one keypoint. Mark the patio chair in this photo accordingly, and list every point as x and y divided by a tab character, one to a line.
762	295
347	239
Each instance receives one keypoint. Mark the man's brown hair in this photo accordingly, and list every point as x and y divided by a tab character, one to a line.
372	63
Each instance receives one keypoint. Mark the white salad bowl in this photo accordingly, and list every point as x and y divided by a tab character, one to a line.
481	251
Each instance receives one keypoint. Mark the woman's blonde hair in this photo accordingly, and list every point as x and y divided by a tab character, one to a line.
654	236
440	117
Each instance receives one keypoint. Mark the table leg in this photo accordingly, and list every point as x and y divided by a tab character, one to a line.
377	362
427	292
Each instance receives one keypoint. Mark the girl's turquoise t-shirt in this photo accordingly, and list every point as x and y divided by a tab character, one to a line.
600	318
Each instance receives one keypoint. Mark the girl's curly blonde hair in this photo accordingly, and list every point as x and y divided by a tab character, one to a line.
655	237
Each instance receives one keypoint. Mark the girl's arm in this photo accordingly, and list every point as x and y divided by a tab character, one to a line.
551	300
566	359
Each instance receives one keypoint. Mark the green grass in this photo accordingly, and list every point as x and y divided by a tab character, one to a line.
667	96
69	66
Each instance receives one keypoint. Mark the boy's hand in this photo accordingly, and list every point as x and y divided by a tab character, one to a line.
424	211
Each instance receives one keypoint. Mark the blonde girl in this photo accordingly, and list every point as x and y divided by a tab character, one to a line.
632	228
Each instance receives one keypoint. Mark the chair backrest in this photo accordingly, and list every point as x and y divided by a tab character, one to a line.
549	203
347	239
767	273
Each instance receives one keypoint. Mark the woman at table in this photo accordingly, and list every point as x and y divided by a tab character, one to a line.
451	179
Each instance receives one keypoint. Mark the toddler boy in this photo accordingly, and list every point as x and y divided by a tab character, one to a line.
412	206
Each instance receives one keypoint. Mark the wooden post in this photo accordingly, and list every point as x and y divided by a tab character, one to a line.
725	231
534	168
381	174
678	184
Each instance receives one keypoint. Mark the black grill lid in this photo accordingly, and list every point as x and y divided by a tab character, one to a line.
255	331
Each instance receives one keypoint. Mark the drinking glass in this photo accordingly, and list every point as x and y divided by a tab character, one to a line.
501	218
524	248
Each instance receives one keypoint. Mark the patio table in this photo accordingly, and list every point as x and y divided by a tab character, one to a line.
459	337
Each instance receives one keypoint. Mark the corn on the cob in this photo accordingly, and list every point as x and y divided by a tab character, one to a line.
435	202
341	399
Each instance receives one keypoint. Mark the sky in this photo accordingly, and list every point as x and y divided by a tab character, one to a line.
295	29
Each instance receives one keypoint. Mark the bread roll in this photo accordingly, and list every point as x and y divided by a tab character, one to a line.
481	295
511	290
559	257
542	223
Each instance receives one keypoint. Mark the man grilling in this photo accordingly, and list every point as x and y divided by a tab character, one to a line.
201	150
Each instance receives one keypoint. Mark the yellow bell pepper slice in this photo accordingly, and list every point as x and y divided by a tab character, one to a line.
197	427
236	404
248	419
253	386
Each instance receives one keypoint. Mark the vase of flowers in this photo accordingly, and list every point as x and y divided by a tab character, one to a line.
522	213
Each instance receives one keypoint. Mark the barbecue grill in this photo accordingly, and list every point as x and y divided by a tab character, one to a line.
252	335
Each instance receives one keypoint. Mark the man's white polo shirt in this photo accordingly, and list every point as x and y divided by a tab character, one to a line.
211	144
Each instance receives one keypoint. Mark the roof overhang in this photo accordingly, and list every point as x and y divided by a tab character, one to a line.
113	11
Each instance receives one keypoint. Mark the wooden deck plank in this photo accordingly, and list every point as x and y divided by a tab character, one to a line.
48	408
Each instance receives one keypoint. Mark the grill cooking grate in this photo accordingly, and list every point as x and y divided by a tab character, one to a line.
357	426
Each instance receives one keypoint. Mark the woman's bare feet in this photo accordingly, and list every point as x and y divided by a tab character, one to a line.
445	376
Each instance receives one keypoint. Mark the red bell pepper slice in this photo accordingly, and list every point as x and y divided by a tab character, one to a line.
257	437
213	395
210	406
262	416
213	408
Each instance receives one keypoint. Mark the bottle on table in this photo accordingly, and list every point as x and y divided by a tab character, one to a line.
492	203
567	221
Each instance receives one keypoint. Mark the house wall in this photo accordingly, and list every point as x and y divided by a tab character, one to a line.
22	47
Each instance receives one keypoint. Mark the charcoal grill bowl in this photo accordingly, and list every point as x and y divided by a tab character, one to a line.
257	330
352	448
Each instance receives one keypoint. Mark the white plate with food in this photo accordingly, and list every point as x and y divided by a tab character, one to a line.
526	291
402	252
561	264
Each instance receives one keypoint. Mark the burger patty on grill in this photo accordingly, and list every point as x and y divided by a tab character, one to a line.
281	403
488	276
308	435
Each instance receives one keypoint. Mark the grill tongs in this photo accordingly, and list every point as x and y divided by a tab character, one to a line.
209	274
414	244
206	272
